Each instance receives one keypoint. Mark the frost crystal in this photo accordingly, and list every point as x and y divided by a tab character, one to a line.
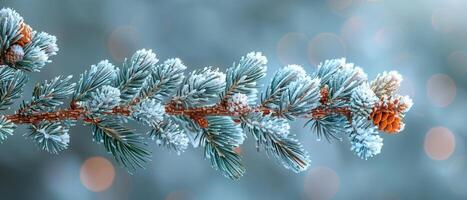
362	100
405	103
10	20
149	111
6	128
360	74
258	57
103	99
51	47
104	66
63	138
364	139
278	126
217	110
366	145
176	140
386	84
41	56
200	86
218	76
297	70
237	102
282	127
51	137
146	57
176	64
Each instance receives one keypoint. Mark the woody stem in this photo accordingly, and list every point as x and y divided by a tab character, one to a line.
220	109
198	112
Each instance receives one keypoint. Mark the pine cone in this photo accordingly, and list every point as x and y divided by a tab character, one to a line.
388	113
26	32
386	120
14	54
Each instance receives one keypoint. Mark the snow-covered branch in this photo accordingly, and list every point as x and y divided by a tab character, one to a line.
206	108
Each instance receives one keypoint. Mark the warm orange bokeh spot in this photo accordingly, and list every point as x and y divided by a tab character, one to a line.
97	174
321	183
292	48
326	46
441	90
121	42
439	143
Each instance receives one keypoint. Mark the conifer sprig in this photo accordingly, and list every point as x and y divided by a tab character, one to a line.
205	108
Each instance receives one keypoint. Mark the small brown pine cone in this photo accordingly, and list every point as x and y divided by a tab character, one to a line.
387	115
26	35
14	54
386	120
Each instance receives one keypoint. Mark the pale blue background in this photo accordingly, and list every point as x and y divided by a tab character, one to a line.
218	33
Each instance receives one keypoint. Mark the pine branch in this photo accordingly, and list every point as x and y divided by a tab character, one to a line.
127	147
163	80
206	107
170	135
272	135
10	21
241	78
99	75
199	87
132	75
300	97
52	137
48	95
7	128
219	140
281	80
11	89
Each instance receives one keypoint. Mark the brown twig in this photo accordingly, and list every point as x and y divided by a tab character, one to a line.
194	113
197	114
73	113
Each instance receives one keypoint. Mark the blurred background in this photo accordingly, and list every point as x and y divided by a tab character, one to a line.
425	40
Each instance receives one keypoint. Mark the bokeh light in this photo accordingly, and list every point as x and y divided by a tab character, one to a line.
407	87
179	195
122	42
321	183
401	58
443	20
326	46
97	174
353	29
339	6
344	7
457	174
384	37
458	61
292	48
417	38
439	143
441	90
